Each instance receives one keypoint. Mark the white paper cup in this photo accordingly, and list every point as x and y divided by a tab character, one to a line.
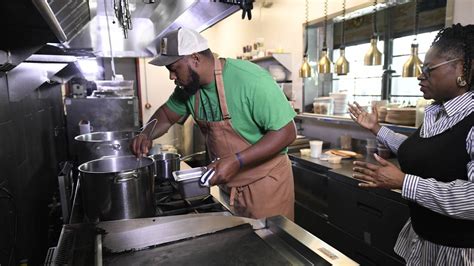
316	148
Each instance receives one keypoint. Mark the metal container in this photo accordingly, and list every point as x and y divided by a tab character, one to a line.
188	183
168	162
115	188
95	145
165	164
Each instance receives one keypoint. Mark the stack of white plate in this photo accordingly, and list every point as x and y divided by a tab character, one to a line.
340	102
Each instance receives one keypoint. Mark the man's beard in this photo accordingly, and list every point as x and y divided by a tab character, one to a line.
194	84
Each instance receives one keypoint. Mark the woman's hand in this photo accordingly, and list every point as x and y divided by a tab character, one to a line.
385	175
364	119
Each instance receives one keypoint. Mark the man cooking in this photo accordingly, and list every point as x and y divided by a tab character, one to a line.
245	119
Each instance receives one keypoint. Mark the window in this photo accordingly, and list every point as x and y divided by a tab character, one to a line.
406	90
364	82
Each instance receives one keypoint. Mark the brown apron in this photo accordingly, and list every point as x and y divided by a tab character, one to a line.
260	191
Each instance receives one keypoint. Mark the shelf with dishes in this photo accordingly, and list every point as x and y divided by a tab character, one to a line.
278	64
279	67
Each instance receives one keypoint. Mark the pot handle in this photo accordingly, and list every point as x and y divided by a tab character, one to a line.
125	176
187	157
114	146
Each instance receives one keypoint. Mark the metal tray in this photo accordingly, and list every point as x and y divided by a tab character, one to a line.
188	183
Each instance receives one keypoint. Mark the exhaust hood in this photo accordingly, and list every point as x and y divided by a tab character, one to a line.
79	27
150	21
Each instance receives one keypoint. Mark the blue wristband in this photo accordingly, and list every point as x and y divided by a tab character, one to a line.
241	163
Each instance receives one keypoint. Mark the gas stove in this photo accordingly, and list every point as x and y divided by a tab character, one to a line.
168	201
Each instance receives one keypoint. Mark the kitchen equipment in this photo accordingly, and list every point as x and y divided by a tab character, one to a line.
420	110
168	162
277	72
165	164
116	88
116	188
188	183
323	105
346	142
371	142
370	151
334	159
109	114
85	127
206	177
194	239
383	152
98	144
340	102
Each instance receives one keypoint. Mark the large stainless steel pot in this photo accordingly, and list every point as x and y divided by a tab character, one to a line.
115	188
95	145
168	162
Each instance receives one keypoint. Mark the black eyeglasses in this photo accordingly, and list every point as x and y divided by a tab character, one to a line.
426	70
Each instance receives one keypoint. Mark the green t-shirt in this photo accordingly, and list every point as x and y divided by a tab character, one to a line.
255	102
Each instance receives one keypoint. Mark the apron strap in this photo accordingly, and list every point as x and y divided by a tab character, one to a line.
220	88
197	99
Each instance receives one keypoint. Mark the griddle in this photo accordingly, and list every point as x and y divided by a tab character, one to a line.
234	246
193	239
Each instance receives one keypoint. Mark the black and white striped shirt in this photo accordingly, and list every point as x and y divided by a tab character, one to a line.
455	199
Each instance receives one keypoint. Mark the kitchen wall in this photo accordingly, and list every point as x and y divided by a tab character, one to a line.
29	155
463	10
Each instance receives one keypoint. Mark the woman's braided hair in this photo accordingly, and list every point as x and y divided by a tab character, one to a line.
458	41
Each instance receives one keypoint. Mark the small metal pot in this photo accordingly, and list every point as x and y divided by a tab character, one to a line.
168	162
95	145
115	188
165	164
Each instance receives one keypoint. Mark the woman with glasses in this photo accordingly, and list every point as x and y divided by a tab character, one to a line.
436	173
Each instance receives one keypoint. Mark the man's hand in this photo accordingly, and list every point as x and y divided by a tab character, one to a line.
385	175
225	169
141	145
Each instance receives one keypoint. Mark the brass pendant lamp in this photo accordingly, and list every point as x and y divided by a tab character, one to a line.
373	56
412	67
305	70
324	63
342	65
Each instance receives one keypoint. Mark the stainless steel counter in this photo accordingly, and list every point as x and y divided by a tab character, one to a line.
330	254
197	239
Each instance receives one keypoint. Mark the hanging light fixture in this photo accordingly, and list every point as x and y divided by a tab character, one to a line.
324	63
342	65
305	70
412	67
373	55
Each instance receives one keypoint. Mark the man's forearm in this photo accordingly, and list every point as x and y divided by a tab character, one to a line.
270	145
165	118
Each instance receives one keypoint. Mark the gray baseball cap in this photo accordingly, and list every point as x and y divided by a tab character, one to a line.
178	43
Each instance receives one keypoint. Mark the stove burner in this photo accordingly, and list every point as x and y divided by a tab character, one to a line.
168	201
